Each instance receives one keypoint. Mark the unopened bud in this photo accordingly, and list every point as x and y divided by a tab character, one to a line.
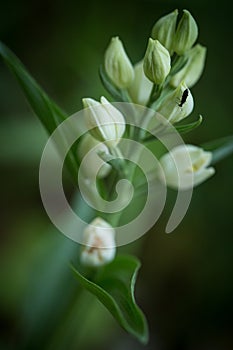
106	123
186	33
164	30
99	241
117	64
177	105
157	62
193	69
141	87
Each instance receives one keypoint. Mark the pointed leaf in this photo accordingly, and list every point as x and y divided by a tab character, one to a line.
116	93
178	63
183	129
48	112
114	287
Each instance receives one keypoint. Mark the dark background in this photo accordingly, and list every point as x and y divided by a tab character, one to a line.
185	284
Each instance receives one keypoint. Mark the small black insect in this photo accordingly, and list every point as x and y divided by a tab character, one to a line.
184	97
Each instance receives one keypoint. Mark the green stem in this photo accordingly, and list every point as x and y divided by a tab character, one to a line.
125	96
72	328
221	148
155	93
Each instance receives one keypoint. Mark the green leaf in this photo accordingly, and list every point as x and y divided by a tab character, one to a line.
114	287
183	129
221	148
117	94
48	112
178	63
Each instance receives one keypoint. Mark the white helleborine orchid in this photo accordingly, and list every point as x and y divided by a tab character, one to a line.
157	62
192	70
90	147
117	64
141	87
176	106
164	30
99	240
106	122
186	33
186	166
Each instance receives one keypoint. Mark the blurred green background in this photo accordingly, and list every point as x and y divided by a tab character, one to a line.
185	284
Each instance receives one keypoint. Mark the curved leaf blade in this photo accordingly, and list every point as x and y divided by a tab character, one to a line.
114	287
178	63
183	129
47	111
116	93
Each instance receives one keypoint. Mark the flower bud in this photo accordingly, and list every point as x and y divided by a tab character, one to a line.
193	69
164	30
106	123
99	240
186	33
90	147
177	105
141	87
117	64
186	166
157	62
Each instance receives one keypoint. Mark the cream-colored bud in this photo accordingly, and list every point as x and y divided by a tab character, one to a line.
141	87
164	30
186	33
193	69
177	105
186	166
99	241
106	122
117	64
90	147
157	62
